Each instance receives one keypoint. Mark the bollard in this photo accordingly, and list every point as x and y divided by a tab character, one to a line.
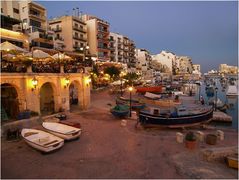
200	136
179	137
123	122
220	135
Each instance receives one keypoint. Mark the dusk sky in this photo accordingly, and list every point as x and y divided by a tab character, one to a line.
205	31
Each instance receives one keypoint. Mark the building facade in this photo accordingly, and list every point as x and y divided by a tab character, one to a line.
185	65
166	59
122	49
226	69
70	33
143	62
98	37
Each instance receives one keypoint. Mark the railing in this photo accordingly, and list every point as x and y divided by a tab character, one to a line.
59	38
58	29
47	67
42	17
79	38
79	29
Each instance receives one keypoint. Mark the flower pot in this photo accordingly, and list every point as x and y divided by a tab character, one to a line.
211	139
191	144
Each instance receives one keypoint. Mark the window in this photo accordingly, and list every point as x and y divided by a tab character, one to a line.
35	23
1	10
81	35
81	44
81	27
76	34
76	43
16	10
76	25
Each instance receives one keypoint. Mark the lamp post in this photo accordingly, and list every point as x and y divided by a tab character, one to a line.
130	100
121	83
216	98
84	49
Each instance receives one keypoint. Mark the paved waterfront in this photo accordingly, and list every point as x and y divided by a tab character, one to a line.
108	150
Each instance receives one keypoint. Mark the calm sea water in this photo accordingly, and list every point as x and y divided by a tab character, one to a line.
231	101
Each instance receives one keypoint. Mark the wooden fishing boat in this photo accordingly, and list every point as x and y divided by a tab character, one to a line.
155	89
232	90
135	104
73	124
41	140
61	130
178	117
162	102
120	111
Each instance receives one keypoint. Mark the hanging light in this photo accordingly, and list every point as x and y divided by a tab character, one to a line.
34	83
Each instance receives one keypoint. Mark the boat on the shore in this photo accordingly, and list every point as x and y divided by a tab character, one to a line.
180	116
41	140
61	130
120	111
152	89
135	104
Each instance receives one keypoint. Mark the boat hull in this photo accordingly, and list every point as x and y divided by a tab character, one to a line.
146	119
69	132
119	114
50	143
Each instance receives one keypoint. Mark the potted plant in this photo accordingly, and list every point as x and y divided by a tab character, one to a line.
190	140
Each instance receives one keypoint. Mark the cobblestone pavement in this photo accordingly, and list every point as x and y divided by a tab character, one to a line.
108	150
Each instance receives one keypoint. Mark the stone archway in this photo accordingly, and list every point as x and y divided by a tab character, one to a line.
75	101
47	99
10	105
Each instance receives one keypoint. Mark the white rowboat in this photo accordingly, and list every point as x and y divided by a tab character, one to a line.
61	130
41	140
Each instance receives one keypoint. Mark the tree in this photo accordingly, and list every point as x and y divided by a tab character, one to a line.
131	77
113	71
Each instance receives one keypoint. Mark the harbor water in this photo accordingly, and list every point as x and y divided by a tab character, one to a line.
231	101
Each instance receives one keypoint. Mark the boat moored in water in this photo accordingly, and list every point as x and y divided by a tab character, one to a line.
120	111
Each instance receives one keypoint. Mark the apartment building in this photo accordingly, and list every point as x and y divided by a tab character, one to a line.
11	26
143	59
122	49
70	33
224	68
167	60
34	22
98	37
185	65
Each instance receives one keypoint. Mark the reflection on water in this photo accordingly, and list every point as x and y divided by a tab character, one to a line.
232	102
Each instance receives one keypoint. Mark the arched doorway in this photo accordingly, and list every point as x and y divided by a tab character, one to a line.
47	100
9	102
74	96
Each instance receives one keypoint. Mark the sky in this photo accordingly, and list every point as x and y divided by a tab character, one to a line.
205	31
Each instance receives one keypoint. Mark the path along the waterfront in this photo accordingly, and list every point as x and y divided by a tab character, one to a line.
108	150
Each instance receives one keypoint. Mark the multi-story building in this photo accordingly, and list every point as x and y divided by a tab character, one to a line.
34	22
185	65
11	26
122	49
70	33
167	60
98	37
226	69
143	59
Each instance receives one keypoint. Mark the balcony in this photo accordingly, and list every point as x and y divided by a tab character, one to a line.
58	29
103	47
59	38
112	47
79	38
38	16
76	28
103	31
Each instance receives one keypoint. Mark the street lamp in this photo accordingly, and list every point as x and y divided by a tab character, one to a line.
130	101
216	98
121	83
